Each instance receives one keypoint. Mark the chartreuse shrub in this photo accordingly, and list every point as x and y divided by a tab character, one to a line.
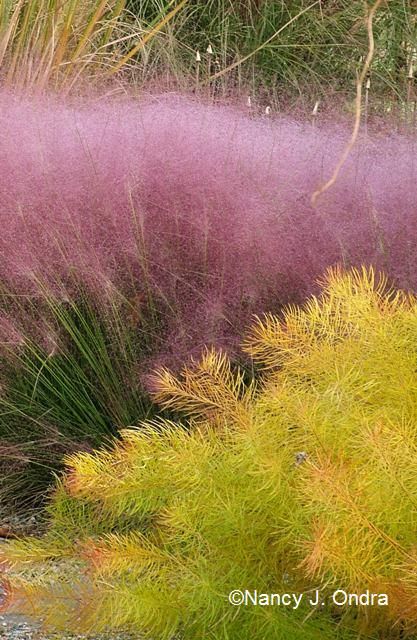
306	480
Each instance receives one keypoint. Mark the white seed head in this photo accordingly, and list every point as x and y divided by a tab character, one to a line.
197	56
267	111
368	83
315	108
209	50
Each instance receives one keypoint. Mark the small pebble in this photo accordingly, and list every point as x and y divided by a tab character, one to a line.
16	627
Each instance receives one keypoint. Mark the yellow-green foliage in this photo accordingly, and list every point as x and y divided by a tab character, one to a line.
307	481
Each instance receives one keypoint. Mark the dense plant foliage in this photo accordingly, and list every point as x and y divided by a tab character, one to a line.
69	386
130	240
53	43
305	481
142	230
280	50
134	233
316	49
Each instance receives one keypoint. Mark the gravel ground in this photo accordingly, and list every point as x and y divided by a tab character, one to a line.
13	627
16	627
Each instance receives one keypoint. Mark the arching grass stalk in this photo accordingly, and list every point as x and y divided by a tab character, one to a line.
72	383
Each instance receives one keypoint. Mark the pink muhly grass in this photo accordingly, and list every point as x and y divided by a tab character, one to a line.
198	210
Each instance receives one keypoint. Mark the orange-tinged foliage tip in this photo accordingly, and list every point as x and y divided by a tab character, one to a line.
329	477
403	606
316	550
408	570
72	482
6	593
5	561
93	553
207	389
349	300
16	597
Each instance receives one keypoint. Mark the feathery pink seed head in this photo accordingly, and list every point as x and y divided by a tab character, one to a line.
202	206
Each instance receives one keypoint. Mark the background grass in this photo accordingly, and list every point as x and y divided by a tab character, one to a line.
283	52
295	50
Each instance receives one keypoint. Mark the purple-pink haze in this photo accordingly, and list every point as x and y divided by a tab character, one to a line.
208	207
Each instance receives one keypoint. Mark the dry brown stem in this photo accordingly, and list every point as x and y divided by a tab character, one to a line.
358	102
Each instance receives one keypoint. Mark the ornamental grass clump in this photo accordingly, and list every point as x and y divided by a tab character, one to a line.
303	481
198	212
54	43
67	383
136	231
